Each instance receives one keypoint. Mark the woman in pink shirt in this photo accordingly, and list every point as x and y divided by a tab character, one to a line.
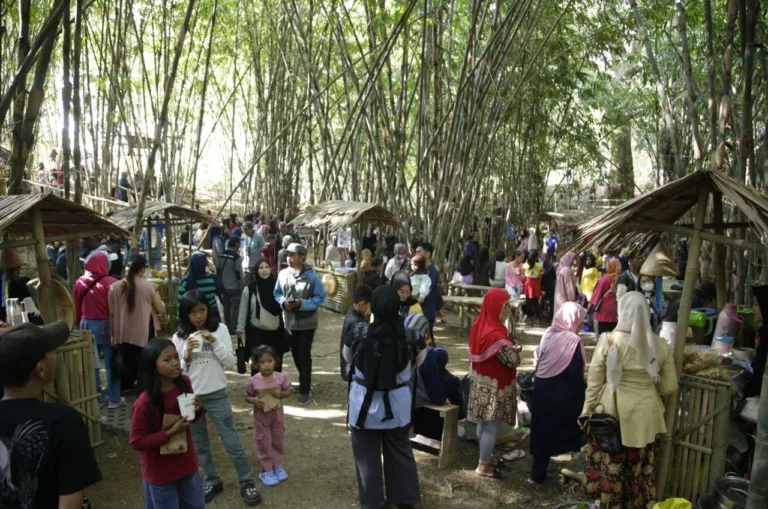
133	307
604	301
90	295
514	277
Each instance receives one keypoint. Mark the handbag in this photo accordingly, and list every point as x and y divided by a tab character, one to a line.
242	356
605	428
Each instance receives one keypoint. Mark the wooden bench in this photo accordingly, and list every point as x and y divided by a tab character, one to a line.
479	289
465	304
448	446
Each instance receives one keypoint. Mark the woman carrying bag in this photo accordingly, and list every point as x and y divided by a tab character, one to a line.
632	368
259	319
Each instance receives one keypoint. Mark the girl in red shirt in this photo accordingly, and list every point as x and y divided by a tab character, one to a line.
171	477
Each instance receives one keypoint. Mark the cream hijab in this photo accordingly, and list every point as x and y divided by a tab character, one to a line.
635	320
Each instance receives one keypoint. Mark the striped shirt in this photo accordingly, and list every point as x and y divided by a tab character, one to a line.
206	284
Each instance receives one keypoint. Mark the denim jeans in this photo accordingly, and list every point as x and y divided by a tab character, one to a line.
218	408
186	493
102	344
156	258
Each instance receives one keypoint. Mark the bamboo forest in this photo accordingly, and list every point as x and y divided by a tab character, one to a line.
529	235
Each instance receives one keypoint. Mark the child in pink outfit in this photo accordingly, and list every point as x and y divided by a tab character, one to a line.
268	422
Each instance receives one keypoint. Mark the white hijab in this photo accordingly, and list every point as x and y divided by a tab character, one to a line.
635	320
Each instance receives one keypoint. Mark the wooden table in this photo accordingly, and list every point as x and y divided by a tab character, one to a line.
453	285
470	306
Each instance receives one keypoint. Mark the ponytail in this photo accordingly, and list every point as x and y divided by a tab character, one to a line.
138	262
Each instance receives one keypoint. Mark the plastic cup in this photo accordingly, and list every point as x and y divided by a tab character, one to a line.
187	405
200	340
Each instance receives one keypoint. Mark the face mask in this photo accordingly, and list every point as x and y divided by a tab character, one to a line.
647	287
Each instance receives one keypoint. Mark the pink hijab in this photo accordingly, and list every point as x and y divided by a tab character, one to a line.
560	341
566	287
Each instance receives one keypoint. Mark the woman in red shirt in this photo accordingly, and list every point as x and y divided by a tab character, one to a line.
603	301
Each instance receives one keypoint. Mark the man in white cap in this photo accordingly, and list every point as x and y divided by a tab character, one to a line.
300	292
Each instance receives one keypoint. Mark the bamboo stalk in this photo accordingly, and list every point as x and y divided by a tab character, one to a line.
719	434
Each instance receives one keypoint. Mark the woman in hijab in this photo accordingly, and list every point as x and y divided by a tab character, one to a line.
380	406
566	287
91	297
260	318
631	369
401	282
199	279
494	359
603	301
558	391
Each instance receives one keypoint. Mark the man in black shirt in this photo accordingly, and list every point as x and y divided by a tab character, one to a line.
46	459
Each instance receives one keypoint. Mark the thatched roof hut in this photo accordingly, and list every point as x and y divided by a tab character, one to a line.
339	214
639	222
179	214
61	218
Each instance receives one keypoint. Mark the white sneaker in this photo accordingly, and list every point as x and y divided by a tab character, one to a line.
111	405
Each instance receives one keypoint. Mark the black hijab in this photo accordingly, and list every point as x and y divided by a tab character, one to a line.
385	308
266	291
399	280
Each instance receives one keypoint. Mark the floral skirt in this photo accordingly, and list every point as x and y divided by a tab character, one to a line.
489	403
626	480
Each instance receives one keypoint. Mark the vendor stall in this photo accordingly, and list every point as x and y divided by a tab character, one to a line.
34	221
639	223
172	215
337	215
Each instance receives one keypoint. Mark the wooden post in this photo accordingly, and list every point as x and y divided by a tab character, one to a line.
689	285
45	295
720	272
169	244
719	437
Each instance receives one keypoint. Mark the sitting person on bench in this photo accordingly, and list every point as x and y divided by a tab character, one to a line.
434	386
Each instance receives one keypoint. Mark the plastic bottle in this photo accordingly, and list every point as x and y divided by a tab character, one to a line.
729	322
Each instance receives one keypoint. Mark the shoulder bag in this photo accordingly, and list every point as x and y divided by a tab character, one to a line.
604	428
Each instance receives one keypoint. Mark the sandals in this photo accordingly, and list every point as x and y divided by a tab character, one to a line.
211	490
497	473
515	454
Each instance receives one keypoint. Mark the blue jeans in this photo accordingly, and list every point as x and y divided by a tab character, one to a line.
186	493
156	258
102	344
217	407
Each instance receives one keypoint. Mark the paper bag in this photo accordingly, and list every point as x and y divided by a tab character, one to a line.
178	443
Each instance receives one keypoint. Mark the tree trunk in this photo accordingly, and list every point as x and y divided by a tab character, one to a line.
149	172
76	105
66	98
18	155
693	106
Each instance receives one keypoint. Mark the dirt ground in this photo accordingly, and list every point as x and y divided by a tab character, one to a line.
318	451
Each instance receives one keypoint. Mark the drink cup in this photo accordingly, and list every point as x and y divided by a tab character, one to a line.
187	405
200	340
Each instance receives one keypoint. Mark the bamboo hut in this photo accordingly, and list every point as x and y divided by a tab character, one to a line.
337	215
35	220
173	215
639	223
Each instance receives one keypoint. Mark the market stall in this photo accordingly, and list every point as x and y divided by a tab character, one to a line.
335	216
639	223
172	216
34	221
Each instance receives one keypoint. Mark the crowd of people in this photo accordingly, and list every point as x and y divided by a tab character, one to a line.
258	287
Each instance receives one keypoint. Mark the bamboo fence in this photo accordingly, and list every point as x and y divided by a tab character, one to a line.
75	384
700	440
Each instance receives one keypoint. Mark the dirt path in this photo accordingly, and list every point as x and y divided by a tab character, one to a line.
319	455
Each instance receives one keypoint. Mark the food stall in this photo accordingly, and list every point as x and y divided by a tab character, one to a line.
337	215
33	221
692	452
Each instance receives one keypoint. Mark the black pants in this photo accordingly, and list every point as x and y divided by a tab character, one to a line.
231	302
300	342
399	473
605	327
539	470
130	354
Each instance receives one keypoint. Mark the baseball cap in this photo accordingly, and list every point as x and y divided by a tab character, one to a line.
296	248
24	345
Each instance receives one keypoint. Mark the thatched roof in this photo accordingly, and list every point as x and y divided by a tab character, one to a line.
339	214
179	214
630	224
60	217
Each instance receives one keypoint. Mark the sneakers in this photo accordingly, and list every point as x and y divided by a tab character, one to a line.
303	400
112	405
280	473
250	494
211	490
269	479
